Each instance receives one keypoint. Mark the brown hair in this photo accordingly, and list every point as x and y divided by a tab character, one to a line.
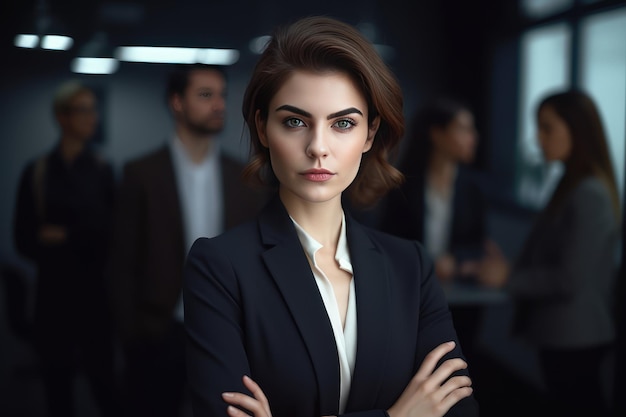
590	152
323	44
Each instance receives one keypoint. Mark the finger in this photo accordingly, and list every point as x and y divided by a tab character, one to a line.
454	397
246	402
453	384
235	412
430	361
255	389
445	371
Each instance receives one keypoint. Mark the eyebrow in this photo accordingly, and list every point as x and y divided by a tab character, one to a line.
304	113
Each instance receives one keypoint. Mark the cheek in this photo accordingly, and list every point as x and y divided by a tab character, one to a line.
282	153
353	156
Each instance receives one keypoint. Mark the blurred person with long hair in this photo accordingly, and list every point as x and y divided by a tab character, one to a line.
564	280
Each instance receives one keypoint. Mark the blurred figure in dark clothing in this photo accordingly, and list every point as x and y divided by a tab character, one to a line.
64	204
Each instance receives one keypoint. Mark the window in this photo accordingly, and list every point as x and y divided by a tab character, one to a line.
585	48
544	67
603	75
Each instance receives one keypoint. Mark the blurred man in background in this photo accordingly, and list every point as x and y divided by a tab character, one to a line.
185	189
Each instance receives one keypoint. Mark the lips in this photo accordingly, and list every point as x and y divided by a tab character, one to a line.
317	175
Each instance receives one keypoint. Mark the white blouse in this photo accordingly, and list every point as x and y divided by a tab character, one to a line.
437	221
345	336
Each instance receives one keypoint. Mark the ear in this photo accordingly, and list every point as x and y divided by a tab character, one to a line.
176	103
371	133
260	128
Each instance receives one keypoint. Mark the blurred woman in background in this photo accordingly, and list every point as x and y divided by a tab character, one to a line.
564	279
439	203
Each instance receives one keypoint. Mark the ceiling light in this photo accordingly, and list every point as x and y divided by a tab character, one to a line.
175	55
57	42
45	32
95	57
85	65
26	41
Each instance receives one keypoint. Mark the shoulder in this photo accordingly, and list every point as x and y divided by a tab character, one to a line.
590	191
230	162
239	245
390	245
589	202
36	163
149	162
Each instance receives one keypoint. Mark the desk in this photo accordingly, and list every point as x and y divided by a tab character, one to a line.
461	293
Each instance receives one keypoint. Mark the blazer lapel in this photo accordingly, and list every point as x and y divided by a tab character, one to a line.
288	265
169	197
373	323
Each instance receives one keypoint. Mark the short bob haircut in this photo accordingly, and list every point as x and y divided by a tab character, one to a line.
320	44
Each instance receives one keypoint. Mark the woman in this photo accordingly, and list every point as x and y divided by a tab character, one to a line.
564	279
326	316
439	204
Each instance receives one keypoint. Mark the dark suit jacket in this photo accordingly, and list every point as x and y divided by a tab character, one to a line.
148	245
404	210
252	307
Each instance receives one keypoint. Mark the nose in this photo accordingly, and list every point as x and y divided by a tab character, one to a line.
318	144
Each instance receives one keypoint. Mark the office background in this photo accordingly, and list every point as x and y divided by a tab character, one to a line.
500	56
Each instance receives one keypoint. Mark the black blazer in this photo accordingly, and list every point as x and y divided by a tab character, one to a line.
252	307
404	210
148	245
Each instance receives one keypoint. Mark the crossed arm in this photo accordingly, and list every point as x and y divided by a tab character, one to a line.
430	393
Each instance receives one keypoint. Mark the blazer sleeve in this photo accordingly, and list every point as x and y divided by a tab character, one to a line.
216	359
125	252
585	232
437	327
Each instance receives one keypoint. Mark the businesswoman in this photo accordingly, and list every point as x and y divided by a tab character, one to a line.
564	279
322	315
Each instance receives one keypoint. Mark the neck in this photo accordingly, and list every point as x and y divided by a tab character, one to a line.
321	220
198	147
71	147
441	171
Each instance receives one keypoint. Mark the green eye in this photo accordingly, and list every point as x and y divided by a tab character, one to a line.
293	122
344	124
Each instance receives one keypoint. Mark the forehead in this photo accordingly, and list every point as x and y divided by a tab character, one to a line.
548	114
202	78
326	92
83	95
464	117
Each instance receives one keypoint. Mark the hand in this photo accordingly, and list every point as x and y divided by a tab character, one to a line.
51	234
257	405
494	268
445	267
427	395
